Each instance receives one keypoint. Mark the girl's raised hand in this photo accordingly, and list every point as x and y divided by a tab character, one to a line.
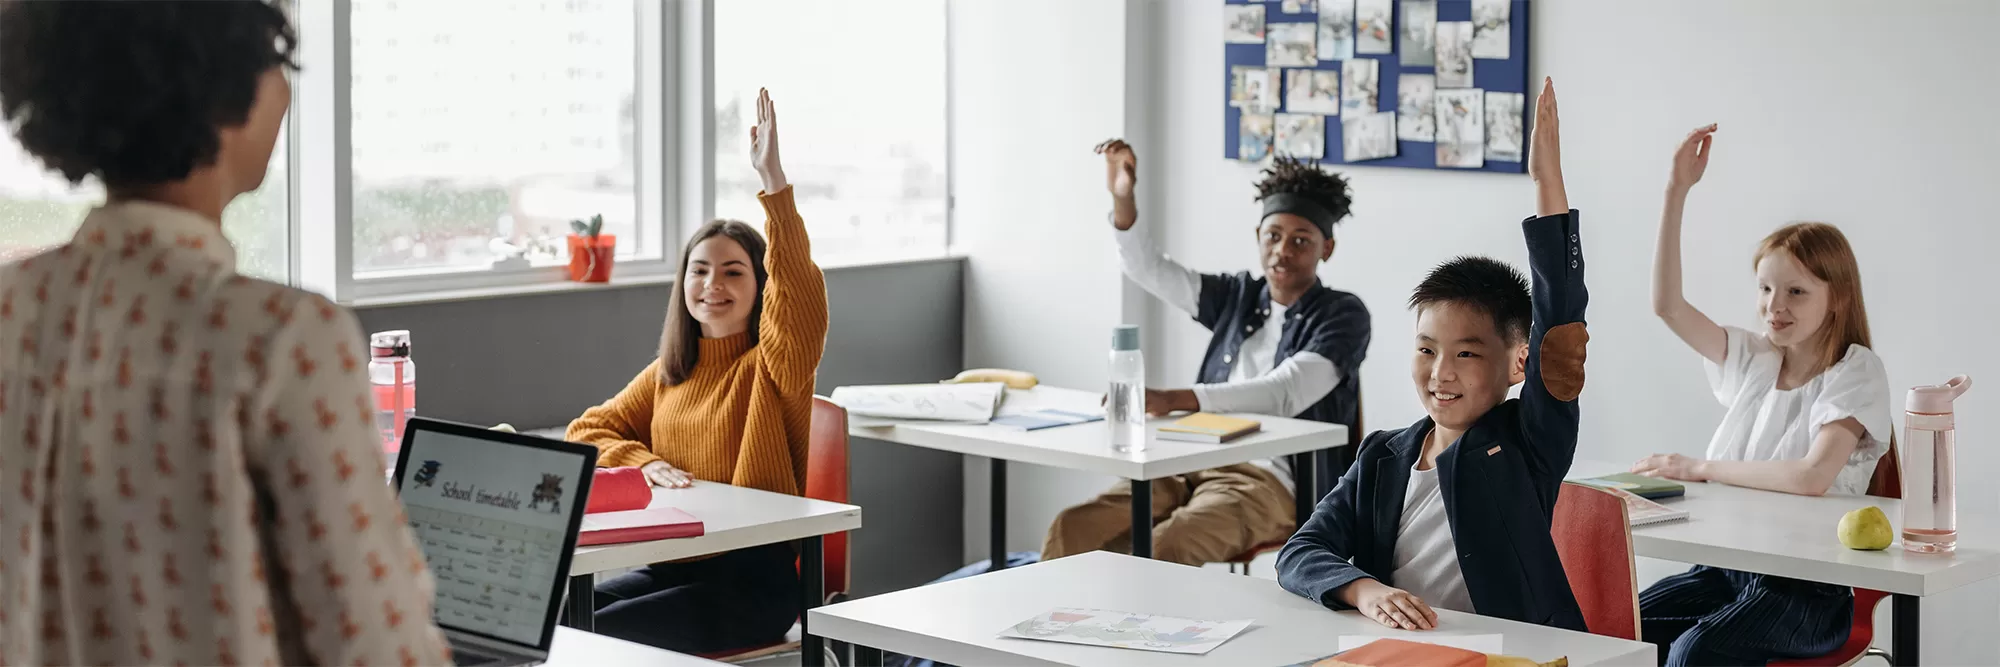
1691	160
764	144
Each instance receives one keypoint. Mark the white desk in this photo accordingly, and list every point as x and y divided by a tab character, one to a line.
957	621
576	648
1793	536
1087	447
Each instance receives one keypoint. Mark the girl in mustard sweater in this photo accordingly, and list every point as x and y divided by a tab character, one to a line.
729	400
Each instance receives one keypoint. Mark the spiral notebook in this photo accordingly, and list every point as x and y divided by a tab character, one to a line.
1643	512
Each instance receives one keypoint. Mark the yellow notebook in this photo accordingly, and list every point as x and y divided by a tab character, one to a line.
1211	428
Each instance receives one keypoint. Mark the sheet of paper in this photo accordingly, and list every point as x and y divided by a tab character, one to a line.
945	402
1488	644
1117	629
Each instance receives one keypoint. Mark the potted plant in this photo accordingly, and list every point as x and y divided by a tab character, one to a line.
591	252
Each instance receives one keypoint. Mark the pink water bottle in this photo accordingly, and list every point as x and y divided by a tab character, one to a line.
395	378
1930	509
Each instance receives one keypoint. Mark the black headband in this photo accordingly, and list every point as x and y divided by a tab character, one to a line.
1300	205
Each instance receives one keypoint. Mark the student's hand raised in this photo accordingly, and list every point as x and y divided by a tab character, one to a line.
665	475
1121	167
1545	154
1691	160
1671	466
1392	607
764	145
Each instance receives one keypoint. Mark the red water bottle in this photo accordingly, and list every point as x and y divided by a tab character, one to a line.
395	378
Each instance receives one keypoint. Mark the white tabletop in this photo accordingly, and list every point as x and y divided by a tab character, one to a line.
957	621
1087	446
1794	536
573	647
732	518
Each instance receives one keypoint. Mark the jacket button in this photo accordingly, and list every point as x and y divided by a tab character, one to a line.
1572	238
1249	329
1572	264
1225	358
1575	250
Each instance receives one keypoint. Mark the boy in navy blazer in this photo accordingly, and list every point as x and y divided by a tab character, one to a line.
1454	511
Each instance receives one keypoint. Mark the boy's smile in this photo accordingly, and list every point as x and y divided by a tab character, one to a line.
1462	365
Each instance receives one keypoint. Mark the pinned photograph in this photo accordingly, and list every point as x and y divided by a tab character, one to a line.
1454	54
1359	85
1504	137
1492	28
1312	91
1253	89
1368	136
1416	100
1290	45
1336	29
1253	137
1299	6
1243	24
1461	128
1300	135
1374	26
1420	19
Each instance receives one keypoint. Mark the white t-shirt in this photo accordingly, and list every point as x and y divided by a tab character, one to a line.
1765	423
1426	556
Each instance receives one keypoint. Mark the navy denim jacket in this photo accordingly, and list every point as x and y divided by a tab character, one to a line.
1325	321
1500	480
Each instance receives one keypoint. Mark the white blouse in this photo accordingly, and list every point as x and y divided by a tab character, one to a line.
1765	423
189	467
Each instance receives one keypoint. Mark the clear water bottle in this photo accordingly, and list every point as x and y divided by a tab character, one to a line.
395	378
1930	434
1125	407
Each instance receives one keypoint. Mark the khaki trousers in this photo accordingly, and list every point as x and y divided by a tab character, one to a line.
1203	517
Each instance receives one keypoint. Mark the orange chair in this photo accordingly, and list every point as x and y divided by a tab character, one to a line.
1887	482
1594	540
826	479
1241	563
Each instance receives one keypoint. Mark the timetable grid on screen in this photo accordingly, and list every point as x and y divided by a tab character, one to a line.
488	572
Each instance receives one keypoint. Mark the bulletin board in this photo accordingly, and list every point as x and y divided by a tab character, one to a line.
1502	84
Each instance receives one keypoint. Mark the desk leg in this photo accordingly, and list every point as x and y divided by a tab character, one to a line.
867	657
997	522
580	602
1305	473
1904	628
811	568
1142	518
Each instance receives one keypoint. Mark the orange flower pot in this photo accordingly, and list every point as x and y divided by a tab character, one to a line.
590	258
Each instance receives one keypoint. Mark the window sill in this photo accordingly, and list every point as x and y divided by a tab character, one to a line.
617	282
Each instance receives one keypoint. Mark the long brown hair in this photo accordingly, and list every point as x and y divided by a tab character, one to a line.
1824	251
680	340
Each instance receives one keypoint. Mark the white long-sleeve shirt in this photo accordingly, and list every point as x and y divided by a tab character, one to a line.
190	464
1258	382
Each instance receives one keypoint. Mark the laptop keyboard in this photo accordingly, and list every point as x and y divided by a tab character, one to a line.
464	658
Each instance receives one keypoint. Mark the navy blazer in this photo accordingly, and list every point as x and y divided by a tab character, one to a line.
1500	480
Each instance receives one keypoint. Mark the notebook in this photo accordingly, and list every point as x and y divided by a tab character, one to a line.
1652	488
1641	511
658	523
1041	419
1210	428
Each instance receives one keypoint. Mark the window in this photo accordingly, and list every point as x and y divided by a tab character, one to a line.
860	89
482	128
40	210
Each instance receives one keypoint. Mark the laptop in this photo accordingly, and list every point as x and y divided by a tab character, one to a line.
496	515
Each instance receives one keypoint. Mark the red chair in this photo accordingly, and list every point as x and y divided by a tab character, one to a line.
826	479
1594	540
1886	483
1354	435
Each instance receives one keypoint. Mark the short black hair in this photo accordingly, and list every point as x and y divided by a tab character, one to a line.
1484	284
134	92
1291	176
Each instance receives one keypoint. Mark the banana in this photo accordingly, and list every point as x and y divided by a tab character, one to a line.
509	428
1013	379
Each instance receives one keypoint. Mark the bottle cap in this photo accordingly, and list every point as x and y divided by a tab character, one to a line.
1125	338
390	343
1936	399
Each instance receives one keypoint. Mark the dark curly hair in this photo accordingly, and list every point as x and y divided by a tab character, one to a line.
1291	176
134	92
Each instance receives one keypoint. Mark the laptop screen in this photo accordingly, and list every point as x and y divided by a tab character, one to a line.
495	517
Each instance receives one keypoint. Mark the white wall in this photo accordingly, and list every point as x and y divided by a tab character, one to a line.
1035	84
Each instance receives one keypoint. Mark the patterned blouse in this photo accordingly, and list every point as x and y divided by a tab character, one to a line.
189	467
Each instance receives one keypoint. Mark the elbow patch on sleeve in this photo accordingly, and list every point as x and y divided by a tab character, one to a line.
1562	360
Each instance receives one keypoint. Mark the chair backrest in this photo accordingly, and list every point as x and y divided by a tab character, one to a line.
826	479
1594	540
1887	482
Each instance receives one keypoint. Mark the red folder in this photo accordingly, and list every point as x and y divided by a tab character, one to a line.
658	523
617	490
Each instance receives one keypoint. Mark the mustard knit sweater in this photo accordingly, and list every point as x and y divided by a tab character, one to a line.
743	416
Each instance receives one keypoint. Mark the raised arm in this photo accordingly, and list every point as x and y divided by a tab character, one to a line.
1693	327
1154	272
1557	338
792	329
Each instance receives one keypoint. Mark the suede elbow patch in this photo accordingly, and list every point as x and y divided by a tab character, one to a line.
1562	360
